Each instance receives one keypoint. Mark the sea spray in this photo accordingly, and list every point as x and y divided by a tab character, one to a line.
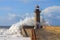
15	29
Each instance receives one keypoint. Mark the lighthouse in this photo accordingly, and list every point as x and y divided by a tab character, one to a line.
26	28
37	17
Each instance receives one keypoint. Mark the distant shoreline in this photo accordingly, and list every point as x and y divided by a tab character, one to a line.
4	26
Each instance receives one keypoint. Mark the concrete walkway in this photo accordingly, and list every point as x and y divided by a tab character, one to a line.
41	34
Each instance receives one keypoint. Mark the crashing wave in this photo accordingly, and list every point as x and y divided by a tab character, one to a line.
16	28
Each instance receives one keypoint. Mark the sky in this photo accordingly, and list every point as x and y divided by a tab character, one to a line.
13	11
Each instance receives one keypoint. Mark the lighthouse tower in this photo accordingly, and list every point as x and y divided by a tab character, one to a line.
37	17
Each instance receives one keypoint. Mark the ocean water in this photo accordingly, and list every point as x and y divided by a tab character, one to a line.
5	27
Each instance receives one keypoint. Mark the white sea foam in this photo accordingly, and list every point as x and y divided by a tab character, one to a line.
15	28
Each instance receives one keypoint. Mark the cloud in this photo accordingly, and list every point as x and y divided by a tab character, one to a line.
52	14
11	16
50	11
8	17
